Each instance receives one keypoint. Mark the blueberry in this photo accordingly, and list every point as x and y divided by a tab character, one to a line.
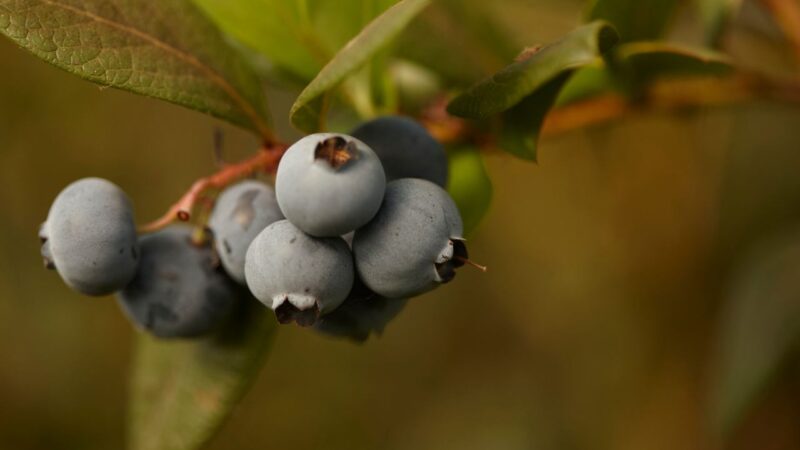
241	212
413	244
405	149
362	314
298	276
179	289
90	237
329	184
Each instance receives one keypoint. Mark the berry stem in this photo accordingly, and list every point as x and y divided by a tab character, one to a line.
266	161
467	261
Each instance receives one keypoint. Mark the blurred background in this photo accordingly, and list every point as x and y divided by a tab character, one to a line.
615	263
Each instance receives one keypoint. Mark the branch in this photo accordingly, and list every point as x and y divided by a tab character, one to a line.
266	160
671	96
786	14
665	96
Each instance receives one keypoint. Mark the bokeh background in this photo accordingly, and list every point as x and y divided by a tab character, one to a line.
611	264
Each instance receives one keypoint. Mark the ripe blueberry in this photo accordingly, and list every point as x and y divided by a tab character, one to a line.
241	212
90	237
362	314
179	289
405	149
413	244
298	276
329	184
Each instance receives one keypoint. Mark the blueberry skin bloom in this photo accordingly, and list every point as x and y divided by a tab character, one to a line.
179	289
405	149
241	212
329	184
298	276
413	244
90	237
362	314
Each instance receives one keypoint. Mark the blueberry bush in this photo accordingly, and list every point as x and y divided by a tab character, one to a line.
339	230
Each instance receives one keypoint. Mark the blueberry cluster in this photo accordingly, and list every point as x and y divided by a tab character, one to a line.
355	226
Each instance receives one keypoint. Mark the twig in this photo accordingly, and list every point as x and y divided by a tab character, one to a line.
671	96
786	14
445	128
666	96
266	160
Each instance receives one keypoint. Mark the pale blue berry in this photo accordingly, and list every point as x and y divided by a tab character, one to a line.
241	212
329	184
298	276
90	237
413	244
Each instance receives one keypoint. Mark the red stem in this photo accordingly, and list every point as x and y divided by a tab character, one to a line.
266	161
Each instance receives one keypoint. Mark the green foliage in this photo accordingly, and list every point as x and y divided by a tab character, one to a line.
587	82
298	36
634	19
182	391
163	49
460	43
308	110
760	328
634	66
518	128
469	185
643	62
715	15
511	85
525	90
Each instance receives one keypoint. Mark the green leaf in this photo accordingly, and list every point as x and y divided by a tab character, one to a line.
298	36
306	113
634	19
643	62
585	83
519	127
182	391
635	65
510	86
525	91
462	40
469	185
273	28
715	15
164	49
759	330
436	41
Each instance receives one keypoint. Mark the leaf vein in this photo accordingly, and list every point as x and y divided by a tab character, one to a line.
209	73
